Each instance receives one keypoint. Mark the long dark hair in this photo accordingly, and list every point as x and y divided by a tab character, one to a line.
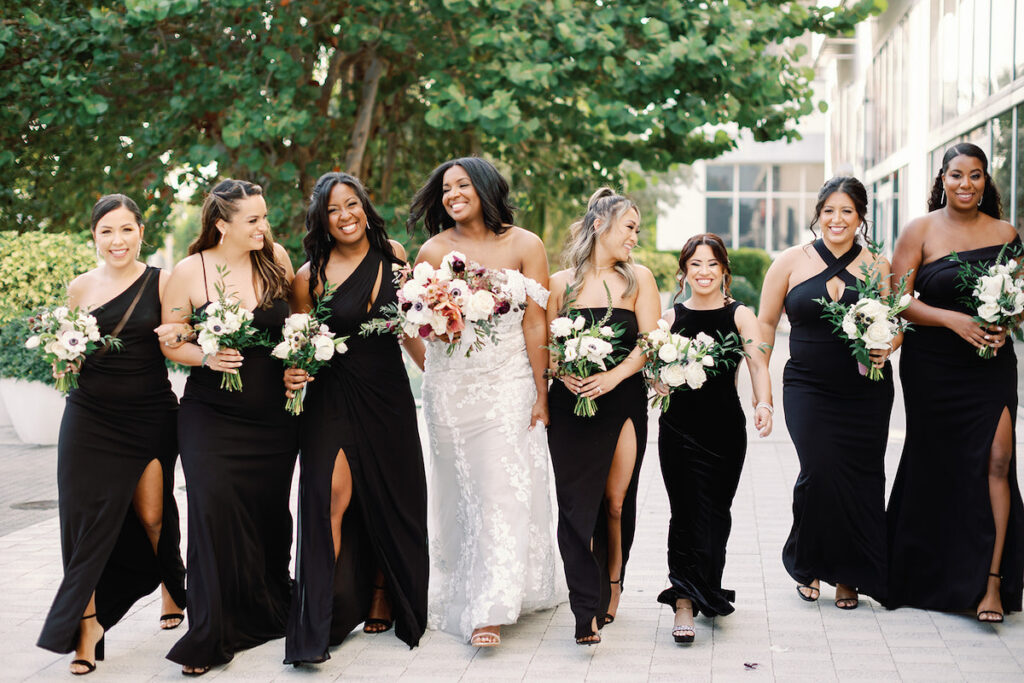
991	202
108	203
221	204
318	241
719	251
489	184
852	188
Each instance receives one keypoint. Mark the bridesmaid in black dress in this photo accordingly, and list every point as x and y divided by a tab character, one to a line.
959	462
116	453
702	439
596	460
362	488
837	417
237	448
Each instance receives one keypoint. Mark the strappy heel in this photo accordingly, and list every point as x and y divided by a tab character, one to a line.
97	654
372	624
609	617
998	614
683	633
588	632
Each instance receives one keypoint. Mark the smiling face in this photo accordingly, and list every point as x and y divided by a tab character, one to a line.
839	219
346	220
704	272
964	182
248	227
458	195
118	237
622	235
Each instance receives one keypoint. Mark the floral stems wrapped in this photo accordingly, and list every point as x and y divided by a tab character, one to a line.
224	324
457	303
583	350
682	363
873	322
995	293
64	338
308	344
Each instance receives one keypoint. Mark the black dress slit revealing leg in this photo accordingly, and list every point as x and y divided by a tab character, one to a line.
582	450
122	417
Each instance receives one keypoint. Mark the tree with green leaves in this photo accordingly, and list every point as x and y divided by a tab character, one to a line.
143	96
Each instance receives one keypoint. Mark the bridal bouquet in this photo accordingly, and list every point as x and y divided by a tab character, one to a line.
224	324
308	344
457	303
683	363
582	350
995	293
64	338
873	321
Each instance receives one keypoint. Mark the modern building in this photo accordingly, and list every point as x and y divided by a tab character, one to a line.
912	81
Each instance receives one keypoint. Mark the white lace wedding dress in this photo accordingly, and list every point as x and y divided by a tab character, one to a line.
492	552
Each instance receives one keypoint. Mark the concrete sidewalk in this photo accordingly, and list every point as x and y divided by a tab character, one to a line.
773	635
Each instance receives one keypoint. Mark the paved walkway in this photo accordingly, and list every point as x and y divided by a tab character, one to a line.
773	635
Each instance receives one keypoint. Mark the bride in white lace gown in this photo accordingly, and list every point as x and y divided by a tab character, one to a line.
491	543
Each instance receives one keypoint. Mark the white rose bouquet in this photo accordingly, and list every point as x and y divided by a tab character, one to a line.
308	344
457	303
64	337
873	322
582	350
995	293
683	363
224	324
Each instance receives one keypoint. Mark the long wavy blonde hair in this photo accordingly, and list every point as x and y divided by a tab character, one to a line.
606	206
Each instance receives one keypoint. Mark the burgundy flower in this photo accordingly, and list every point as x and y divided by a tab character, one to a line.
458	265
503	308
406	305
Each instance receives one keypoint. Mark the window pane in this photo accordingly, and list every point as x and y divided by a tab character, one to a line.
753	212
1002	43
982	45
753	178
1019	190
787	224
719	218
1002	150
815	177
950	51
787	179
719	178
965	79
1020	38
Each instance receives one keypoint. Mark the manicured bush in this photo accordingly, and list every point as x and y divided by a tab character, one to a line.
663	264
36	267
751	264
17	362
743	291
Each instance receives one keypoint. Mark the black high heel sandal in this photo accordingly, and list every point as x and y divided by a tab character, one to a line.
588	632
609	617
369	626
97	654
991	611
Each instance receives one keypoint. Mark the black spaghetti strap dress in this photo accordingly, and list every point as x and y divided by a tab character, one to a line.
582	449
941	531
702	442
238	453
122	416
839	422
361	403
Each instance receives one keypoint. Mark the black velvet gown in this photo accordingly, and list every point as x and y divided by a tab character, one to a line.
360	403
941	531
238	453
702	442
839	422
121	417
582	449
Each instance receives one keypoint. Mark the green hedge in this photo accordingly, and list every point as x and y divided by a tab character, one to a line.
664	265
17	362
751	264
36	267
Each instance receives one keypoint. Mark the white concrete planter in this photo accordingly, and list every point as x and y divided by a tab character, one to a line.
35	410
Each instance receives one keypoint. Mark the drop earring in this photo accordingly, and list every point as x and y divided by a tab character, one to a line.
981	201
221	239
942	199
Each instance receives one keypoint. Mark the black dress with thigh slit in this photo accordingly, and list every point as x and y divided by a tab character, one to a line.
582	449
839	422
702	442
360	404
121	418
238	452
941	528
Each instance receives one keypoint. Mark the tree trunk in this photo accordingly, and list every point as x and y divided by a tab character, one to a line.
364	116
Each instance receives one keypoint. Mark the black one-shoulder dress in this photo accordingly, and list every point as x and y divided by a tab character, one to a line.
361	403
941	530
702	442
238	453
122	416
839	422
582	449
